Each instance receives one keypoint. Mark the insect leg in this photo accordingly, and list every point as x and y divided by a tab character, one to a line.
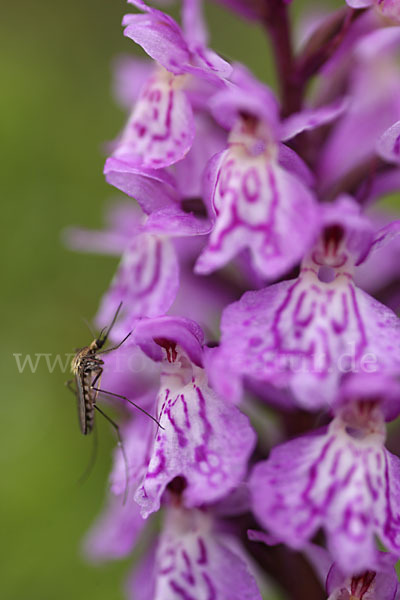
92	459
121	445
99	373
115	347
68	384
88	325
127	400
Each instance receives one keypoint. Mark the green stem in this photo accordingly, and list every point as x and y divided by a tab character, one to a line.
278	26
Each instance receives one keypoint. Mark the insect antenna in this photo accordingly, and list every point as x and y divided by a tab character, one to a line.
117	346
103	338
88	325
122	447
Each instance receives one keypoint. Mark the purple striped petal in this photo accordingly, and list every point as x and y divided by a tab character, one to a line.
255	202
193	562
205	440
160	130
348	485
305	334
146	281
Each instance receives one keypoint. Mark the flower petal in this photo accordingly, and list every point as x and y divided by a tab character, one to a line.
194	563
305	334
141	582
247	95
159	35
210	140
382	265
374	93
123	221
197	37
153	189
130	76
115	533
386	234
183	332
256	203
193	23
137	435
175	222
205	440
389	144
312	118
383	184
349	487
162	38
146	282
291	161
357	230
160	130
373	387
379	584
360	3
389	8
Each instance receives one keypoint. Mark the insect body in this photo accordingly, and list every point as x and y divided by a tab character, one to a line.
87	368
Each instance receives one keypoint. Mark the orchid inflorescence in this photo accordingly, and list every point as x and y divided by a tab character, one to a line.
270	470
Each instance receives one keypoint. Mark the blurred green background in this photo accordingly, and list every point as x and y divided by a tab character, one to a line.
56	111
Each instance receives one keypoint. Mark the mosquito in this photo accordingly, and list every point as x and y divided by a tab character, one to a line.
87	368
